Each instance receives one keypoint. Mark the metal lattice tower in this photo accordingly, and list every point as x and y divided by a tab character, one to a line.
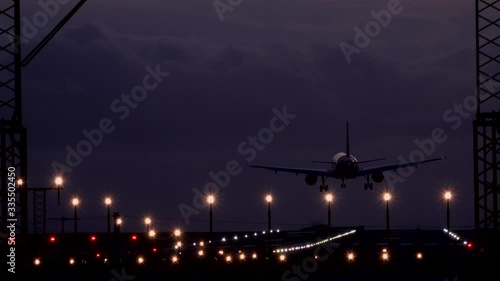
13	149
487	123
13	139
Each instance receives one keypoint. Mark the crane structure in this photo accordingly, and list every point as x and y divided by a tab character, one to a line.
13	133
486	126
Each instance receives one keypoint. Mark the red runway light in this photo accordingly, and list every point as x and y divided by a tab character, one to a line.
469	245
97	255
93	238
154	250
134	237
52	239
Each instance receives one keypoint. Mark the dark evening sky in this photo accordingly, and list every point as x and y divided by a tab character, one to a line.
226	77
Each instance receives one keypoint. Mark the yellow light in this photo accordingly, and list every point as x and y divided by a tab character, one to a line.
179	244
385	256
177	232
269	198
107	201
71	261
147	220
37	262
254	256
58	181
75	201
419	256
175	259
20	182
202	244
229	258
200	253
447	195
329	198
350	256
242	256
211	199
140	260
282	258
221	252
152	233
387	196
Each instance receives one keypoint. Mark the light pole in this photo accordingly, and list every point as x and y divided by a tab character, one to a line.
108	202
329	199
211	201
387	198
448	196
58	181
75	202
269	199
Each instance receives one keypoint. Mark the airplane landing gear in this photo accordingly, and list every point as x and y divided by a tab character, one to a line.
368	184
342	185
323	186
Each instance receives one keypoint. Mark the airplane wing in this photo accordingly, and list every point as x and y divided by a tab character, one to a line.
312	172
369	171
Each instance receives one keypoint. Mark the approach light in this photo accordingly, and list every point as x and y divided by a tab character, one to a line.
329	198
20	182
419	256
282	258
107	201
269	198
387	196
447	195
152	233
200	253
242	256
71	261
37	262
75	201
140	260
254	256
350	256
177	232
147	221
175	259
229	258
58	181
211	199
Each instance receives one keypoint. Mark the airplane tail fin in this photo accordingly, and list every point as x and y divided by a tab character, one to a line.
347	141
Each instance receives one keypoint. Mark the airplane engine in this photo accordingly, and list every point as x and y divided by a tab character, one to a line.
311	180
378	177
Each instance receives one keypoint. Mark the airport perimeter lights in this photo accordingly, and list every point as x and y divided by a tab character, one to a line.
447	197
387	198
329	199
75	203
211	201
59	182
108	202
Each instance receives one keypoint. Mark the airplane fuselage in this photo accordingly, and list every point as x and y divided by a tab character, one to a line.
345	167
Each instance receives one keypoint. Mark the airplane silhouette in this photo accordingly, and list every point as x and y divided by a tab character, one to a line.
345	166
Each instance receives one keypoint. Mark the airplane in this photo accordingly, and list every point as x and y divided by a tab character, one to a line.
345	166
